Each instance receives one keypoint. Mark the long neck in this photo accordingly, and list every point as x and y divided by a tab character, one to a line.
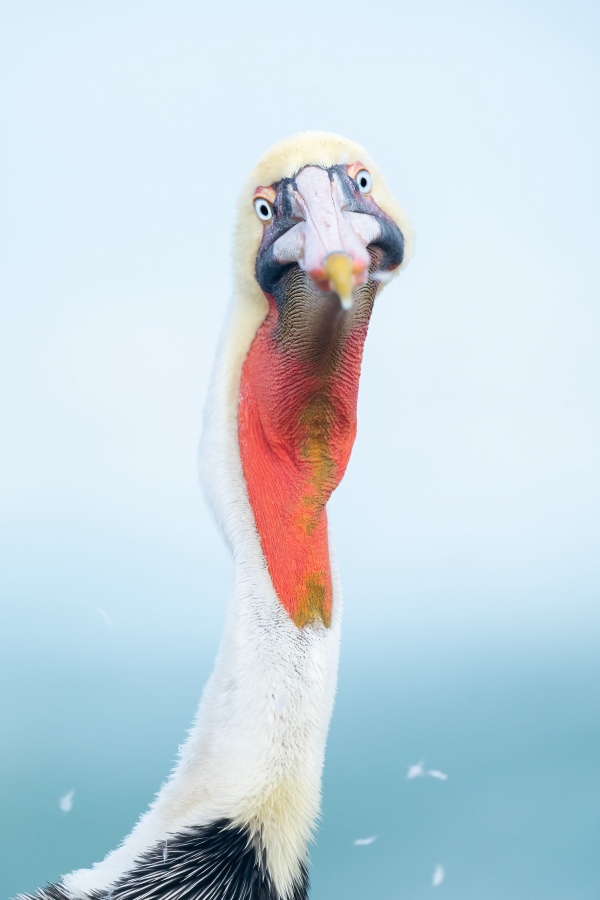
254	757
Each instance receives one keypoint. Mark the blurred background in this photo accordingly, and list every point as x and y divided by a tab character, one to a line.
468	522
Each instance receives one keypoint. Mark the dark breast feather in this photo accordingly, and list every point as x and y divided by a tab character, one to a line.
209	862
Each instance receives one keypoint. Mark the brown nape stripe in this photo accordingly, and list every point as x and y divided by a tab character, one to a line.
209	862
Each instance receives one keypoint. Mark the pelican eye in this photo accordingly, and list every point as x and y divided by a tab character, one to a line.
263	209
364	181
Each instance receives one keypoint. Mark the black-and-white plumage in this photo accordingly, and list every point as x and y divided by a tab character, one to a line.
212	862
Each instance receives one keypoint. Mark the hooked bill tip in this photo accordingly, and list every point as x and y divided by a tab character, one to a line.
338	269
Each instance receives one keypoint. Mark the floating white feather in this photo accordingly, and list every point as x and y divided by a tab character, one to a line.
66	801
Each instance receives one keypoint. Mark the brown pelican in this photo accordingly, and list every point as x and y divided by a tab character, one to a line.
317	235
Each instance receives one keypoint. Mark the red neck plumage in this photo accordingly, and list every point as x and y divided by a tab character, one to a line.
297	423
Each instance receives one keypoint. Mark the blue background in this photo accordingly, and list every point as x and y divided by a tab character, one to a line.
467	525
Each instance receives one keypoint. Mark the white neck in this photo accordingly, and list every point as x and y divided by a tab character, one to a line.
255	752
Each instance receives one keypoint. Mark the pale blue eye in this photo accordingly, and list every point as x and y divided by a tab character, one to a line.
263	209
364	181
